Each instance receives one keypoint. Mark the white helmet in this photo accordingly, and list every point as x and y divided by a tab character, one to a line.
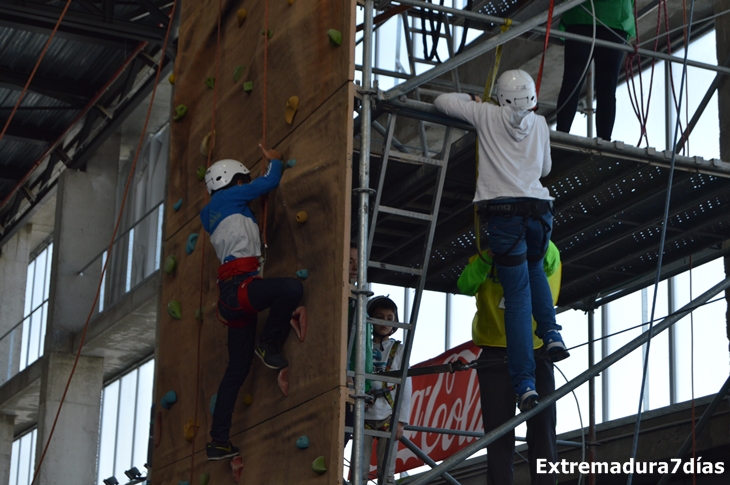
221	173
516	88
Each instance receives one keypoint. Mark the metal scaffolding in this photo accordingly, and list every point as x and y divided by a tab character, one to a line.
394	101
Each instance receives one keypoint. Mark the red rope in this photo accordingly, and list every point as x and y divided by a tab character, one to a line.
111	243
544	48
264	165
35	68
211	144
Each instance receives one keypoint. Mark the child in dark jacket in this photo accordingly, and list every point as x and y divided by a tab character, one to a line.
234	235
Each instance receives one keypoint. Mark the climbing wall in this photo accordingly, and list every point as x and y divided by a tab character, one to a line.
310	56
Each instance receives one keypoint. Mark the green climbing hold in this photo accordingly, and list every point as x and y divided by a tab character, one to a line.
174	309
210	82
303	274
177	205
335	37
190	246
199	314
291	163
170	263
168	399
200	172
303	442
271	33
237	73
318	465
213	400
204	478
180	112
248	86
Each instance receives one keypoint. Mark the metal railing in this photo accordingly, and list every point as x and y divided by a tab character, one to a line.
135	256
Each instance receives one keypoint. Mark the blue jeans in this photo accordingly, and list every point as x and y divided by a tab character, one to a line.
526	289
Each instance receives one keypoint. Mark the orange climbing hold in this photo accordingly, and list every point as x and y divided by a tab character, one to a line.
291	108
190	430
299	322
302	216
237	468
283	381
241	16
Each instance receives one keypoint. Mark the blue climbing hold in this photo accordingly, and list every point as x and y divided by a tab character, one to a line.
183	482
168	399
303	442
177	205
291	163
190	246
303	274
213	400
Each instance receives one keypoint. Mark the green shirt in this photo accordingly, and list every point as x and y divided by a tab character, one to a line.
617	14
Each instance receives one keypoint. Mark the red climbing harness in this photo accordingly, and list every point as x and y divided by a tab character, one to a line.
227	271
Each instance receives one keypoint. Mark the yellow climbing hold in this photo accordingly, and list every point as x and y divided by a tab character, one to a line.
241	16
208	144
247	399
302	216
318	465
291	108
171	78
290	2
190	430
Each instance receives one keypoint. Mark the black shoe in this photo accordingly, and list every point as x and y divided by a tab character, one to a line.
270	356
219	451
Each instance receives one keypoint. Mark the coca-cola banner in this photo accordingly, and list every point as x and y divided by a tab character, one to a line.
447	401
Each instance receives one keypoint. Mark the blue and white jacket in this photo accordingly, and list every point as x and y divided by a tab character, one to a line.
229	220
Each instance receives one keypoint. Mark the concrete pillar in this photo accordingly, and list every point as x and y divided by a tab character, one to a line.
13	273
722	40
85	210
71	455
7	431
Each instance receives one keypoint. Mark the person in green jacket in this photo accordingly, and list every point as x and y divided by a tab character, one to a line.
496	392
614	23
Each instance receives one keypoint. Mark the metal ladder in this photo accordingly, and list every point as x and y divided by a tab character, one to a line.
430	166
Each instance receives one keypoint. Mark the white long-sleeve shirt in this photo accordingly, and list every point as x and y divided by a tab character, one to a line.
514	147
381	409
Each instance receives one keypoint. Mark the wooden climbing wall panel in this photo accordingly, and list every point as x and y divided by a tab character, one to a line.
303	62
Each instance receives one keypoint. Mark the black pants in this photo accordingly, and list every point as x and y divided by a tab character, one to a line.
498	406
281	295
608	65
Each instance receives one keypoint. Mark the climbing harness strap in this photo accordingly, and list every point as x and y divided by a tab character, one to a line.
245	313
385	392
534	209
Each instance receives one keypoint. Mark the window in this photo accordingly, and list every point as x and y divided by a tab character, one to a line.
125	420
22	460
36	307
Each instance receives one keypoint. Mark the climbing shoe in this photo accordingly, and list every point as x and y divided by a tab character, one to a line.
555	347
270	356
526	396
220	451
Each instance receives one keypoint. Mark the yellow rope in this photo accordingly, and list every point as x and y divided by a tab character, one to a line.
487	98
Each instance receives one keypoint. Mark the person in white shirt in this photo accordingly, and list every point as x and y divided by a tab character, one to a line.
514	153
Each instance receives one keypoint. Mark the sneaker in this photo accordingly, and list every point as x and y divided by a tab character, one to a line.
218	451
526	396
555	347
270	356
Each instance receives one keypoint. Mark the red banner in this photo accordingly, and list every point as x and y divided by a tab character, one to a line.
447	401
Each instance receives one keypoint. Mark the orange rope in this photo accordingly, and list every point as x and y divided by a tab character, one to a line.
264	165
211	142
111	243
35	68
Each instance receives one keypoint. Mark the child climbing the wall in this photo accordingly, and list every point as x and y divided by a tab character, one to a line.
514	153
235	237
387	356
